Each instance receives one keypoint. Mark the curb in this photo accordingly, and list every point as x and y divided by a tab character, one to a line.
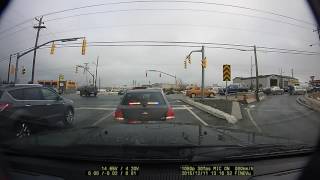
215	112
299	101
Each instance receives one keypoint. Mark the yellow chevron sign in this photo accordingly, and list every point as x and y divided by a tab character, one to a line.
226	72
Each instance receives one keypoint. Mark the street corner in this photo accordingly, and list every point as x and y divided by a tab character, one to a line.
311	101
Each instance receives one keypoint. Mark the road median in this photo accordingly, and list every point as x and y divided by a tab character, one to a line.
210	110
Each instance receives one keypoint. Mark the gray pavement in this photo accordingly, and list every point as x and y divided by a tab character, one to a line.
276	115
282	116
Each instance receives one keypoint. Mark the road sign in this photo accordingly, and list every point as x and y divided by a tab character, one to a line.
226	72
61	77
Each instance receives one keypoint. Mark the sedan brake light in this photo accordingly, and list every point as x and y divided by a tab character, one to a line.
118	115
4	106
170	113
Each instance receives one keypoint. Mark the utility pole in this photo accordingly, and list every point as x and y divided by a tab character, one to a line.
282	85
251	73
202	81
8	79
95	83
39	27
292	72
257	74
99	83
16	70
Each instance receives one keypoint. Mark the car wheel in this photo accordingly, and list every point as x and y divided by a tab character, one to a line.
95	94
68	117
23	129
81	94
193	95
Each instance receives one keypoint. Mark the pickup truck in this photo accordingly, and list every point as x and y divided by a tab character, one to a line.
196	91
88	90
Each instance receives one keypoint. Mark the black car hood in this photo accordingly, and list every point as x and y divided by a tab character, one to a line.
151	134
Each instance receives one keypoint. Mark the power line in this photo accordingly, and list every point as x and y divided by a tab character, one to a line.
184	1
193	46
177	9
160	1
16	25
7	35
198	43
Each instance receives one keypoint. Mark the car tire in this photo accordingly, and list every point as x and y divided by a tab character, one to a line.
95	94
68	117
22	129
193	95
81	94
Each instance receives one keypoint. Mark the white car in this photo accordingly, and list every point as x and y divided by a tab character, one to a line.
276	90
299	90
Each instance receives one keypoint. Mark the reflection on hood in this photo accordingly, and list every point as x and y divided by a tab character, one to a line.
159	134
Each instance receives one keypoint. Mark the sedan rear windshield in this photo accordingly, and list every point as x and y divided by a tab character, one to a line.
139	98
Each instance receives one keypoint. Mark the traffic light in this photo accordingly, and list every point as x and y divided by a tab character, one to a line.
189	59
83	48
53	46
23	70
185	64
146	74
204	62
160	74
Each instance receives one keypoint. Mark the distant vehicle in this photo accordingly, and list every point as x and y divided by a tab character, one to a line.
22	106
144	105
196	91
299	90
122	92
276	90
232	89
140	87
88	90
215	89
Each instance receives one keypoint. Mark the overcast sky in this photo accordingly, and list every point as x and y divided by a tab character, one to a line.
184	22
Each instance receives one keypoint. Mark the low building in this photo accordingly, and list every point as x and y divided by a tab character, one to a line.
314	82
68	84
164	85
266	81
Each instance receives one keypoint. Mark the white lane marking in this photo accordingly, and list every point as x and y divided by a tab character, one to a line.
196	116
179	108
251	119
95	108
112	109
101	119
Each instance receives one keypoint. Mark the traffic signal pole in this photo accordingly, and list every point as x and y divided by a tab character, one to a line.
203	64
8	78
16	70
202	81
257	74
